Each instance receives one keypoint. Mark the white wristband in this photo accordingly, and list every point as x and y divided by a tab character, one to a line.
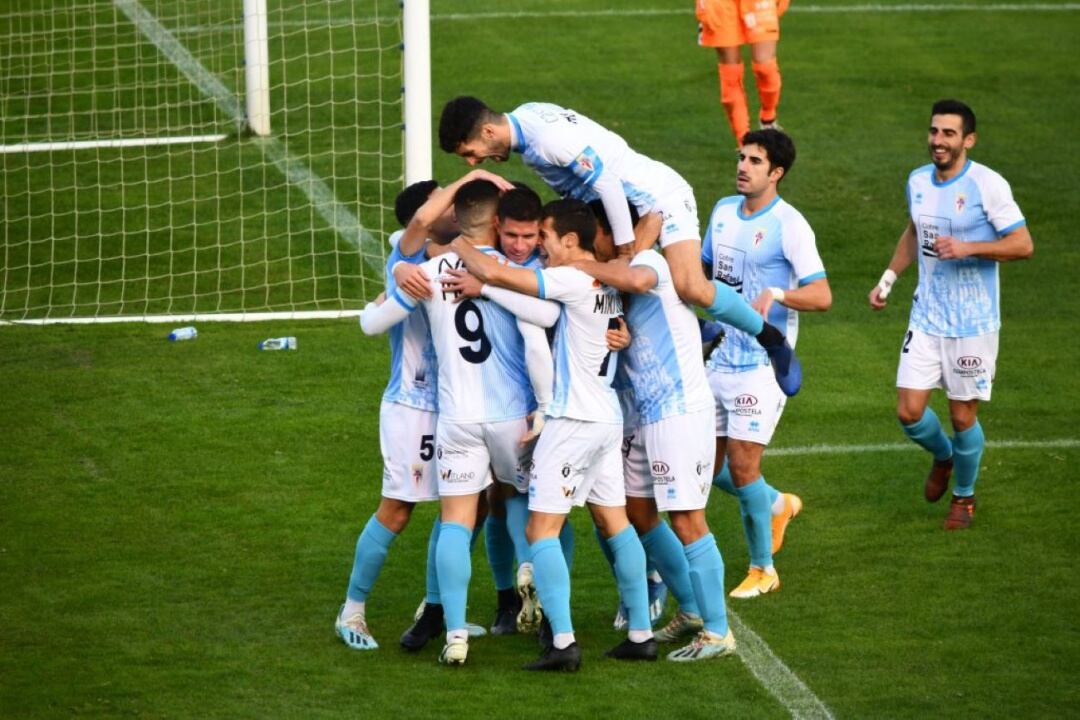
885	283
777	293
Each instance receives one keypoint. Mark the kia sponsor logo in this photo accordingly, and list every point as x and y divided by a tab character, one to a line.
969	362
660	468
745	400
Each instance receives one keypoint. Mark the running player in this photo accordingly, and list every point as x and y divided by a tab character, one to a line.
581	159
963	223
763	247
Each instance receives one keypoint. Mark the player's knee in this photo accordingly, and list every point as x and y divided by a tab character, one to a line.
689	527
731	84
394	514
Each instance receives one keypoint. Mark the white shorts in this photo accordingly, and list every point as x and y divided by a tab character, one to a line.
681	449
468	453
637	478
964	367
748	404
407	443
576	462
680	218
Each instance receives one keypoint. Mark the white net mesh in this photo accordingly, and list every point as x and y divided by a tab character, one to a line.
194	214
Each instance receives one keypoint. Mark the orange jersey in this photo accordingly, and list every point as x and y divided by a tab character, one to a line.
731	23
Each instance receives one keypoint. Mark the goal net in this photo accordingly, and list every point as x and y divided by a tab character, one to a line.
135	184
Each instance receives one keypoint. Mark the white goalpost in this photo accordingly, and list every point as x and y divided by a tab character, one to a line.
175	160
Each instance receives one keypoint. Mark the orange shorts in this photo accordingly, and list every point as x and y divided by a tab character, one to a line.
731	23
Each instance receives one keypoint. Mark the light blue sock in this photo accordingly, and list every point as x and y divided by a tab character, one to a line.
707	578
500	551
757	521
433	597
566	540
371	548
552	583
723	479
662	547
968	449
724	482
630	577
517	517
455	569
730	307
929	434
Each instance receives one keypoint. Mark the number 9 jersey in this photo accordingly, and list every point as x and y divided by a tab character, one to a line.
481	355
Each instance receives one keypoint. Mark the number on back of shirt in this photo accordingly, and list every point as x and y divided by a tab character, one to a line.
470	327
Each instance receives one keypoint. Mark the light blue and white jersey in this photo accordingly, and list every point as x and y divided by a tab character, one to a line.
624	389
584	367
535	261
581	159
773	247
663	361
959	298
481	355
413	367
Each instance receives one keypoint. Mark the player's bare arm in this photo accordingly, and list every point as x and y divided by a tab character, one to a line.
619	275
815	296
419	228
489	270
902	257
1016	245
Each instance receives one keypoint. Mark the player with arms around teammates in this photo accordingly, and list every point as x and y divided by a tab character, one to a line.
963	222
577	459
478	344
579	158
763	247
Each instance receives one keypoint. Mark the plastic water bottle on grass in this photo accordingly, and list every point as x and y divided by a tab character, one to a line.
280	343
184	333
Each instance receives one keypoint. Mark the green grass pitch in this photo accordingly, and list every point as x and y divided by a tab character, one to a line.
177	521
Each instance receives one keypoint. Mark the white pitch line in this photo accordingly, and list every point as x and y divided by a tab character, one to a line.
339	217
776	677
825	449
659	12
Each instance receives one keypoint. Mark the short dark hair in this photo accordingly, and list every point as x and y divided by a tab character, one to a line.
955	107
522	203
570	215
597	207
475	202
779	147
461	119
409	200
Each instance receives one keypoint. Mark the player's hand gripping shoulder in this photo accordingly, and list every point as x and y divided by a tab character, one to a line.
463	284
412	280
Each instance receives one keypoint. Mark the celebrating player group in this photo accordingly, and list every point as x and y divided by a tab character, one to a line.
549	356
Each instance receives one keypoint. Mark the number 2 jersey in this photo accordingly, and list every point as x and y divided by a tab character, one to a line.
584	367
481	355
959	298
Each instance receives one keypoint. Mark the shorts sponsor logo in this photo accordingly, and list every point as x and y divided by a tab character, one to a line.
755	426
703	487
450	476
569	491
746	405
566	470
700	467
418	474
969	366
660	467
671	493
440	452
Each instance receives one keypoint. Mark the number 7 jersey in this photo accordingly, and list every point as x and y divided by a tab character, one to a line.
481	355
584	367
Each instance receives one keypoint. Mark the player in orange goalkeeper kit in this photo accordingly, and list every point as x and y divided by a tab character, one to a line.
727	25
